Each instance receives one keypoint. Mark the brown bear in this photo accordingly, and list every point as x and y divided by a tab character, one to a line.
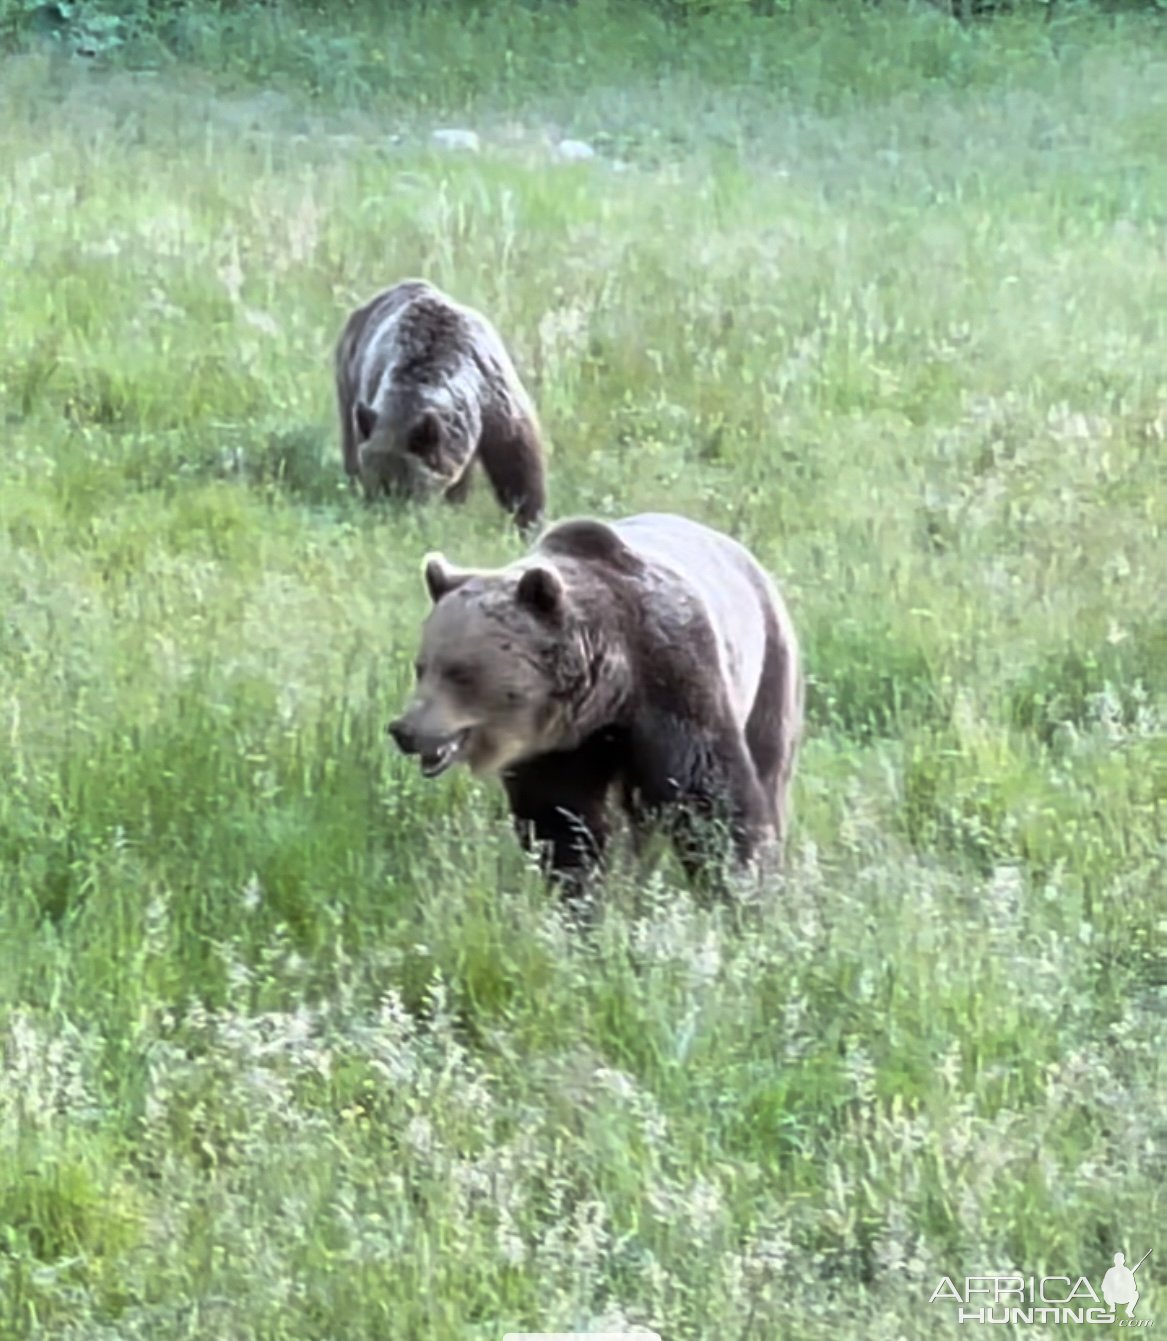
651	656
425	387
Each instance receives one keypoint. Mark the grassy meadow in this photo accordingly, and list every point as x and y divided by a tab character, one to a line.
293	1045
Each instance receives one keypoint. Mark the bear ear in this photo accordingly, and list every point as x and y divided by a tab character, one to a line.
425	437
365	418
541	589
441	578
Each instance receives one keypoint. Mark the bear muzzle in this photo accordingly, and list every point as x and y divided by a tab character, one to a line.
436	753
388	473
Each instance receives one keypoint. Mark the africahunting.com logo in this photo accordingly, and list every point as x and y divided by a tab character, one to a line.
1045	1299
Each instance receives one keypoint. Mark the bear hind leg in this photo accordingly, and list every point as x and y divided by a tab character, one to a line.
775	723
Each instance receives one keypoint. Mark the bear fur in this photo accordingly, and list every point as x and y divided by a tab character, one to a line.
651	657
425	387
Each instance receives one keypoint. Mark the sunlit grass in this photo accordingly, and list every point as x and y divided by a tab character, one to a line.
291	1036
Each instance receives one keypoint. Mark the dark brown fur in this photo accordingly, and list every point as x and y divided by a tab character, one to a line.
425	388
626	654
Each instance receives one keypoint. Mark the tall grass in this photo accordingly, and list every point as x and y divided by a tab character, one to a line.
294	1044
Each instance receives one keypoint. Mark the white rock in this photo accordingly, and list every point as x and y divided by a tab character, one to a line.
456	139
574	151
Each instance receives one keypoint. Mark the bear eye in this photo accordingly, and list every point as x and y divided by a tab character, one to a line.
461	676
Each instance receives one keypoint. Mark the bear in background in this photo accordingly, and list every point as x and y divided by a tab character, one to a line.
425	388
650	657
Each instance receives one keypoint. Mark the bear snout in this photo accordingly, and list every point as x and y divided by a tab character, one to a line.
435	753
403	736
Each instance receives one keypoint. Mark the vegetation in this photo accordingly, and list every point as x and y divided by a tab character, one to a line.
294	1044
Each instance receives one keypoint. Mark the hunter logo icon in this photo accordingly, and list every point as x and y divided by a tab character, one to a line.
1118	1285
1016	1298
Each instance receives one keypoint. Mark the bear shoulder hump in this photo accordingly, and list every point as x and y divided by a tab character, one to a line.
591	541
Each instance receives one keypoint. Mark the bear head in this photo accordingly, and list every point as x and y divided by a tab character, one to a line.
404	451
505	664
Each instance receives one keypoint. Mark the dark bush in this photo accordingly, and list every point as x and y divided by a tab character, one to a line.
93	27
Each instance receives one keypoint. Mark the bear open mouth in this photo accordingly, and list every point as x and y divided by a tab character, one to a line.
437	761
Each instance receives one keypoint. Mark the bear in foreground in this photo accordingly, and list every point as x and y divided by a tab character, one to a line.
425	388
651	657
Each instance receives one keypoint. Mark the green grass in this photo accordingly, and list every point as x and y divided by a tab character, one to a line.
294	1045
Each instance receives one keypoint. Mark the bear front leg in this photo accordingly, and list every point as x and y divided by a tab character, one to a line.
348	437
458	491
566	825
512	458
700	786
